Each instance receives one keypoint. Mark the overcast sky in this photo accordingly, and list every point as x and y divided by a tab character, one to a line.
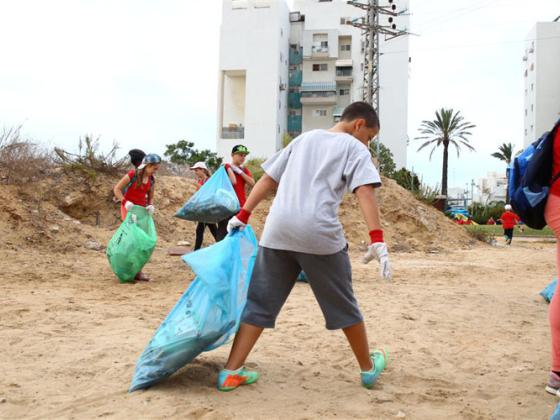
144	72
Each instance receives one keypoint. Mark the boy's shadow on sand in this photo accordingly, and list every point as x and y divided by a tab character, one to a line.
197	374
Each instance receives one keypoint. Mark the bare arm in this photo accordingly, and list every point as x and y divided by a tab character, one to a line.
369	205
231	175
118	189
151	195
248	179
261	190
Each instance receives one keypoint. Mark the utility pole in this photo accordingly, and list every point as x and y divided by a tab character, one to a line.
372	30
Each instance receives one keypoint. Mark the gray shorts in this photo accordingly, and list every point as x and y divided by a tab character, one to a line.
274	276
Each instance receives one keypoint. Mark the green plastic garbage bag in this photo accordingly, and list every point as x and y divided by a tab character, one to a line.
132	245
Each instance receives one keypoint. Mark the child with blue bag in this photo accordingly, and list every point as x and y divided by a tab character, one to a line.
303	233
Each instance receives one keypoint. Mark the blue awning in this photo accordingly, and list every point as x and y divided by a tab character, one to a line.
319	87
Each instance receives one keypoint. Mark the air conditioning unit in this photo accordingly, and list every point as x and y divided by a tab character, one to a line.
282	86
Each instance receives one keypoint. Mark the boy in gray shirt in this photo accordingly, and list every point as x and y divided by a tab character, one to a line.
303	233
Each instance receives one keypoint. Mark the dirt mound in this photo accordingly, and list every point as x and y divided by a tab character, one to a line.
68	210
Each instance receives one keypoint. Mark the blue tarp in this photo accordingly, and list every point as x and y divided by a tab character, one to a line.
207	314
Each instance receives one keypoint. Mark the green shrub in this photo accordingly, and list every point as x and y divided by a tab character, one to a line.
254	165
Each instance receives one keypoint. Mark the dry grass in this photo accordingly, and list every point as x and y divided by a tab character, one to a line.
21	160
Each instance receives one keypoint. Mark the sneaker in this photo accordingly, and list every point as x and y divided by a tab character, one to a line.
228	380
553	384
380	359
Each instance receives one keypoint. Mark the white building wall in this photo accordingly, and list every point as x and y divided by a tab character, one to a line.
542	83
254	40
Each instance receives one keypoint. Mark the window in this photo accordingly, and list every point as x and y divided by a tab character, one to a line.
525	112
324	1
324	44
343	20
532	129
525	131
344	92
319	112
281	32
281	57
532	107
532	86
345	47
320	67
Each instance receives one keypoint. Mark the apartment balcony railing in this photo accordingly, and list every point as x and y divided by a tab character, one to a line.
318	98
233	132
319	51
295	56
344	74
296	78
294	100
294	124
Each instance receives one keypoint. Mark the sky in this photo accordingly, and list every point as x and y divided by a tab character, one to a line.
144	73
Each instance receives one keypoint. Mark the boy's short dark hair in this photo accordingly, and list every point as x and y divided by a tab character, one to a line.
361	110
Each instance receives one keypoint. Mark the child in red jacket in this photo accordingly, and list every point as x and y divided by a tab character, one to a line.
509	220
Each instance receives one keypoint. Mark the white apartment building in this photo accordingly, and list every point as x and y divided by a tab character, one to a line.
308	63
253	76
491	188
542	83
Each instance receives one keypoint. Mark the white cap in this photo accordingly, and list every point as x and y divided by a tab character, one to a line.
508	207
199	165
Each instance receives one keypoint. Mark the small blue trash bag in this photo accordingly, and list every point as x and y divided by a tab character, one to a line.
549	290
302	277
213	202
207	314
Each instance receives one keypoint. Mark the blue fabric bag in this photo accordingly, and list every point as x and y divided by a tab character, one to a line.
213	202
207	314
549	290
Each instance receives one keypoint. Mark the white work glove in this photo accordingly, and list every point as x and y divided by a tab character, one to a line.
235	223
379	252
128	205
151	209
236	169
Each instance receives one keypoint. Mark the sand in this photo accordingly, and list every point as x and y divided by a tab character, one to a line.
466	331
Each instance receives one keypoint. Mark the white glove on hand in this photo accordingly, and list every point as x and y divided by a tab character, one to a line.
128	205
379	252
235	223
151	209
236	169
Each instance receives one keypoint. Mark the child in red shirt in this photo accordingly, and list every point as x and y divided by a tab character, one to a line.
509	220
239	177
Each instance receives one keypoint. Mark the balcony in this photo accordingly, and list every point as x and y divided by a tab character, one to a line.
233	132
294	100
344	71
294	124
318	98
295	78
319	51
295	56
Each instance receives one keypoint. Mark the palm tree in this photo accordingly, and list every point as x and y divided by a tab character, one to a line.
505	153
449	127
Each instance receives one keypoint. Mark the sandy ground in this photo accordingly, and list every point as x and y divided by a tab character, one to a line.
466	331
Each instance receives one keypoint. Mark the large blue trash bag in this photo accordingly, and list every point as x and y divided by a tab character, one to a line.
207	314
213	202
549	290
556	414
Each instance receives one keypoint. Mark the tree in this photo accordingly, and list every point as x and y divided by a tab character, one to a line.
183	152
505	153
407	179
386	162
449	128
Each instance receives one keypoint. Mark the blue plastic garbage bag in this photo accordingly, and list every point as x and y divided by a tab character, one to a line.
207	314
549	290
213	202
302	277
556	414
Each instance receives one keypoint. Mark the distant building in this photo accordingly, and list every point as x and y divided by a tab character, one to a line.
542	83
297	71
492	188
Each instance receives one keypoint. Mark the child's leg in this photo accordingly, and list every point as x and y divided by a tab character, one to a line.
213	230
222	229
199	236
357	337
244	341
552	215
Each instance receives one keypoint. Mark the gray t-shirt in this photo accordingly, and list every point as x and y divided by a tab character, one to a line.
313	172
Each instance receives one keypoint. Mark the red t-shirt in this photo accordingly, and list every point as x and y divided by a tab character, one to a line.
555	189
509	219
239	186
137	194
